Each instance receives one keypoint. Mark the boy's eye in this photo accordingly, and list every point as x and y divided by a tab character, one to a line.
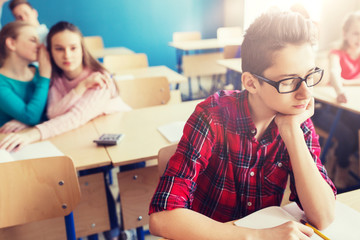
289	82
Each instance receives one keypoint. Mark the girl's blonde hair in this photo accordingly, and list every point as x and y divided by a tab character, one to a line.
10	30
349	20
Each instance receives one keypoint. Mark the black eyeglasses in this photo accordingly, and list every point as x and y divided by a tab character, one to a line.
292	84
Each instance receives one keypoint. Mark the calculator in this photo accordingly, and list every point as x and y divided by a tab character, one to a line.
109	139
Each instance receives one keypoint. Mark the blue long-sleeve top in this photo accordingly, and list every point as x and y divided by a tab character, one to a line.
23	101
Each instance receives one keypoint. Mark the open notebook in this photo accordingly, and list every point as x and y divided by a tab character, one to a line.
35	150
172	131
346	225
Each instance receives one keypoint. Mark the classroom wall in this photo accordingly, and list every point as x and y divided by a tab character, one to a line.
332	18
141	25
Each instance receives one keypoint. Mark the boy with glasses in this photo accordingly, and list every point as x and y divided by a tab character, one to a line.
239	147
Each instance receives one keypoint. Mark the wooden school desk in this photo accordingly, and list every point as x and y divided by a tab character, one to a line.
142	140
184	47
233	64
327	95
154	71
352	199
91	215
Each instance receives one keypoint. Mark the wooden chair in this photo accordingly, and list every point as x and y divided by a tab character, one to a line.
201	65
113	63
136	188
180	37
322	61
164	155
186	36
93	43
38	189
144	92
233	78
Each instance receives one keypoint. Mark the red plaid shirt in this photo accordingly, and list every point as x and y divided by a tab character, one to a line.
222	171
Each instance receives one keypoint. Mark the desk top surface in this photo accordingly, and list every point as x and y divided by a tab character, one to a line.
142	140
327	94
231	63
211	43
109	51
352	199
154	71
78	144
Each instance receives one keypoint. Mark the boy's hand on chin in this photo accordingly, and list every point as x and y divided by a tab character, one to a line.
294	120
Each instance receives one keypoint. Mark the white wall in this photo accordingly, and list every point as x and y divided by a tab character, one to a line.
332	17
328	13
233	13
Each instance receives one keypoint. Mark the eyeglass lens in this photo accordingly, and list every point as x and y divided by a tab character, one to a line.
292	84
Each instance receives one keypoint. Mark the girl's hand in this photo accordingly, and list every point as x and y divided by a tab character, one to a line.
96	80
341	98
13	126
44	62
16	141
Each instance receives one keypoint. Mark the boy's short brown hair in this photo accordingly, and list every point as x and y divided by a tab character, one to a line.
15	3
271	32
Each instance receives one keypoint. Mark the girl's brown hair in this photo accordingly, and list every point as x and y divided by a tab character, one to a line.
88	60
10	30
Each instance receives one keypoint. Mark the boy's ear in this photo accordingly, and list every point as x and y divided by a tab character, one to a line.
249	82
10	43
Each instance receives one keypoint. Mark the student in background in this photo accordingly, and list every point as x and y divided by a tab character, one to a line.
345	61
23	11
23	87
344	70
1	8
81	89
239	147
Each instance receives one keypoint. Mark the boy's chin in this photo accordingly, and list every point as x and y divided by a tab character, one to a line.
293	112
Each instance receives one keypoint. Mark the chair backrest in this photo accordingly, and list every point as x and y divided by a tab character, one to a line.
229	33
232	51
114	63
186	36
164	155
203	64
37	189
322	61
144	92
93	43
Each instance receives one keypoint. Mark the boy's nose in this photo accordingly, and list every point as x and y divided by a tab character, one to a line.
304	90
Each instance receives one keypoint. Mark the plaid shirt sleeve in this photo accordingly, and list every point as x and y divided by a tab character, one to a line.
312	141
177	185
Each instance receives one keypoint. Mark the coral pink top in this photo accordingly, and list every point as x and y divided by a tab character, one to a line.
350	68
68	110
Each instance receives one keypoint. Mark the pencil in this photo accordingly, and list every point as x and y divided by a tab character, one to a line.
315	230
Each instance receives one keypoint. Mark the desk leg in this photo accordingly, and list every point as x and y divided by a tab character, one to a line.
140	233
179	54
331	133
70	227
190	90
